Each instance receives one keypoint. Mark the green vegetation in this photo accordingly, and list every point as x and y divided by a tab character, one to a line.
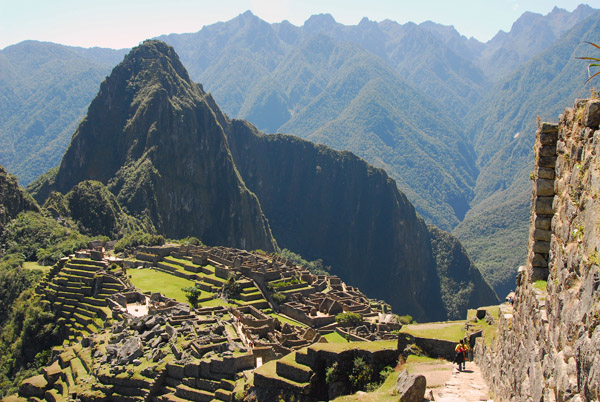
594	62
316	267
192	294
25	340
540	284
406	319
155	281
451	331
285	319
273	286
349	319
232	288
279	298
138	238
35	237
361	374
335	337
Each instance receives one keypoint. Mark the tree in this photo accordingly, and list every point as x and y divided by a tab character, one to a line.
193	294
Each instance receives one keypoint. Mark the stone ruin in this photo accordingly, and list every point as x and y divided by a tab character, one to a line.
141	346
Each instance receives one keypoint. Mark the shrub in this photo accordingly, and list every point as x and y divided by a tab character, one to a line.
361	374
232	289
332	373
405	319
279	298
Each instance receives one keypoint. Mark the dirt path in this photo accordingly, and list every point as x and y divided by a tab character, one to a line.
463	386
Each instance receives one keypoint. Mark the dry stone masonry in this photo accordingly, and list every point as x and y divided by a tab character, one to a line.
548	344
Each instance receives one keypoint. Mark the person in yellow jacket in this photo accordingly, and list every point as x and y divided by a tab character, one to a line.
460	355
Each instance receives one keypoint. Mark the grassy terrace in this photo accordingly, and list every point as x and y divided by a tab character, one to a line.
155	281
489	331
32	265
334	337
369	346
449	330
284	319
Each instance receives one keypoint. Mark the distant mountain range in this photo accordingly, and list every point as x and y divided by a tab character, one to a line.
436	110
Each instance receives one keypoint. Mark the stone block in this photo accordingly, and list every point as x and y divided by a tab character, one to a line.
539	261
545	173
410	388
175	371
543	205
52	373
538	274
543	223
544	187
541	234
591	113
547	150
542	247
548	138
547	161
549	128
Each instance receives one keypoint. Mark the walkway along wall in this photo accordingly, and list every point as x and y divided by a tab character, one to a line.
548	344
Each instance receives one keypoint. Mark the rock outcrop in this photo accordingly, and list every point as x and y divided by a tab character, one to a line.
547	345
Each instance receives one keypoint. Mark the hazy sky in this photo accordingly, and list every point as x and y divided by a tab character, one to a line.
125	23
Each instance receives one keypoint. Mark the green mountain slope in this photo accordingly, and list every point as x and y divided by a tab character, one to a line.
503	127
44	90
348	99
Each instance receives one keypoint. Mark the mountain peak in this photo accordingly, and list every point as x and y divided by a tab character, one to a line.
153	139
319	21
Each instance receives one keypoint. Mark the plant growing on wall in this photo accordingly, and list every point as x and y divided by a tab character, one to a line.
594	62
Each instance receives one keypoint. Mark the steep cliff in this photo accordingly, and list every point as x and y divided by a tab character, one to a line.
333	205
150	137
556	315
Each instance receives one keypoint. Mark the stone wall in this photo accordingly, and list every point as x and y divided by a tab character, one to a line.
548	344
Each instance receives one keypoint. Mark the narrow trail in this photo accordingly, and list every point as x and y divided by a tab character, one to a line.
463	386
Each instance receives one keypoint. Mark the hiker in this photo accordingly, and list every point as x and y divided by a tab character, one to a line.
459	357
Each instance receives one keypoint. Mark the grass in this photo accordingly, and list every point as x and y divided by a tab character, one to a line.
369	346
155	281
489	331
214	303
334	337
540	285
33	265
283	320
449	331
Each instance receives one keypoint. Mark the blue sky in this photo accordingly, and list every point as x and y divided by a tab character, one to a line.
125	23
